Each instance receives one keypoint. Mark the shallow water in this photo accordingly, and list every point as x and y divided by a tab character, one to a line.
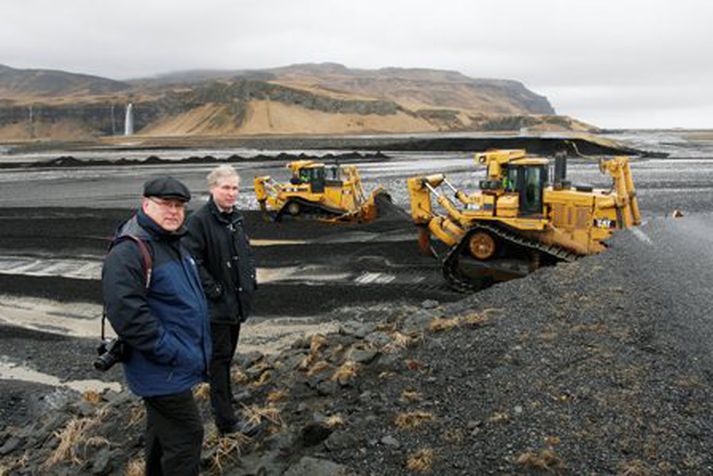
106	186
15	371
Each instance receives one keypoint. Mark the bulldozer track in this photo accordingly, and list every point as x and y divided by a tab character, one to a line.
462	284
309	210
314	211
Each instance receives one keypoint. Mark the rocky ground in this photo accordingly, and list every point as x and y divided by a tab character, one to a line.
601	366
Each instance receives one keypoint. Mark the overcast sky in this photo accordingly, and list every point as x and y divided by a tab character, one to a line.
613	63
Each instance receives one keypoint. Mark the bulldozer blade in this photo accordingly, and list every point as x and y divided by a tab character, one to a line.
424	241
267	215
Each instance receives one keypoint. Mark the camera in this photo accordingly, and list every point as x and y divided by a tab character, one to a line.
110	352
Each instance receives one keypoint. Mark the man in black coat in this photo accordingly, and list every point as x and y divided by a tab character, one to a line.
218	242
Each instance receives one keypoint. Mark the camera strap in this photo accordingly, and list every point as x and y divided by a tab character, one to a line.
148	266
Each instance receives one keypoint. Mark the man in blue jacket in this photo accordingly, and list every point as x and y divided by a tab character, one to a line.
157	307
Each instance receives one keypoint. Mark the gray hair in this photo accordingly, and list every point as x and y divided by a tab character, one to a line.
221	172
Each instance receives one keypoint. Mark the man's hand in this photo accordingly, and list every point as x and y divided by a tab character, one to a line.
216	291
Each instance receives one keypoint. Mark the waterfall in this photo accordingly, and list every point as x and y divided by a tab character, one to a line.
129	120
30	123
113	121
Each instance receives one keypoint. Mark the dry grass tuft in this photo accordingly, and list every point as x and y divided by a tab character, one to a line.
474	320
316	344
135	467
318	367
689	382
70	437
346	372
103	412
92	396
306	362
398	342
412	420
334	421
96	442
19	464
255	414
260	367
454	436
410	396
634	468
499	417
202	392
337	352
227	450
275	396
544	460
238	376
421	461
441	324
264	378
481	318
138	412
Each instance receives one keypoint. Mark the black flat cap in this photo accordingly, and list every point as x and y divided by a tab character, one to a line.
167	187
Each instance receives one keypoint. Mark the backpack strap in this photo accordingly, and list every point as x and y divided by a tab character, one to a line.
146	255
148	267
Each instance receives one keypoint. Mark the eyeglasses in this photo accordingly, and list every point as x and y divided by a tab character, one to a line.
170	205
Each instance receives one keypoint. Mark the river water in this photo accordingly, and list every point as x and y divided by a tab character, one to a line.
689	169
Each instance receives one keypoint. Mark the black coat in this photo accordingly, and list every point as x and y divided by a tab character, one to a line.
225	262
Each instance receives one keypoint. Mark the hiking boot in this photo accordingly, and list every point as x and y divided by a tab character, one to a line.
247	428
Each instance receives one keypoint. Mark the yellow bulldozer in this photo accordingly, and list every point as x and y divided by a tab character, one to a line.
518	220
315	191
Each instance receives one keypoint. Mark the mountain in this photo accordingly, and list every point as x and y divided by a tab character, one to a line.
412	88
324	98
418	88
52	83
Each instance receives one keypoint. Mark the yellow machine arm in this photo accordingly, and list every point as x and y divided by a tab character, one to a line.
494	160
627	203
447	229
267	192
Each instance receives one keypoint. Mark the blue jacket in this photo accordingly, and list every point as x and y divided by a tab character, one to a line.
165	326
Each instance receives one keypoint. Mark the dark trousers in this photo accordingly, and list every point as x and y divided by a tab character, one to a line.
225	340
174	435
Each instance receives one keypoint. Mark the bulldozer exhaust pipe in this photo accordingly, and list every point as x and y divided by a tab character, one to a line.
560	171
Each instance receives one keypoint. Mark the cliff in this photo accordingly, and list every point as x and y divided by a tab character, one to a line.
20	83
300	99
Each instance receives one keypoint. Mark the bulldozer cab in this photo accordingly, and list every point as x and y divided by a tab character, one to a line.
313	175
526	178
334	175
528	181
